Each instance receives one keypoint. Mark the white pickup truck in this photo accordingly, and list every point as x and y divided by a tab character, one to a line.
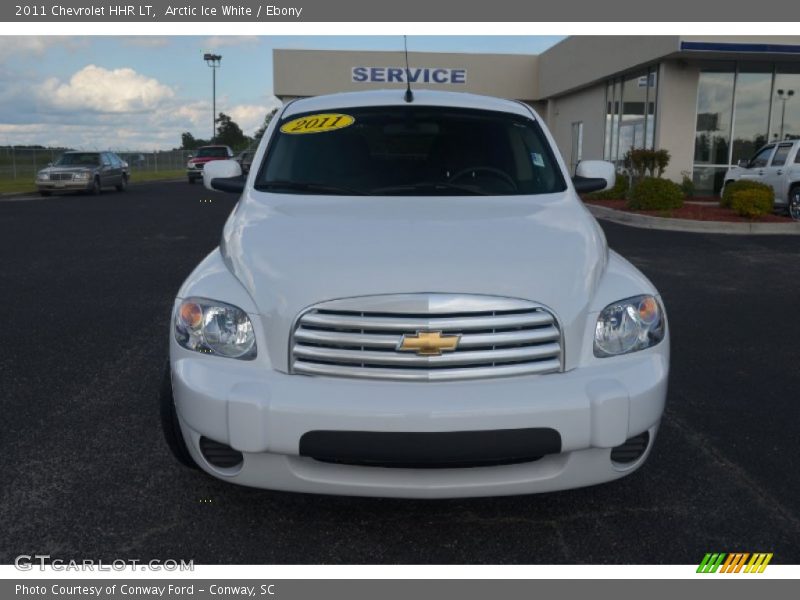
778	166
410	299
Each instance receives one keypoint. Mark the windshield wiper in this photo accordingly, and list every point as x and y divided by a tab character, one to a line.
308	186
434	186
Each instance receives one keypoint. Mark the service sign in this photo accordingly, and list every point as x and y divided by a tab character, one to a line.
435	75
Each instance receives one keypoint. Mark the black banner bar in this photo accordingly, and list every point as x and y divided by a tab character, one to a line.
194	11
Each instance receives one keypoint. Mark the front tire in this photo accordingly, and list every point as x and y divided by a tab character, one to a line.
794	203
170	425
123	185
191	179
96	188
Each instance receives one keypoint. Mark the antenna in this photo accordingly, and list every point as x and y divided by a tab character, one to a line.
409	97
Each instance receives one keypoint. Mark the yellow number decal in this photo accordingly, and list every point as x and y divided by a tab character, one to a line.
317	123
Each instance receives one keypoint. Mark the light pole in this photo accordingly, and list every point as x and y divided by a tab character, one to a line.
213	61
783	96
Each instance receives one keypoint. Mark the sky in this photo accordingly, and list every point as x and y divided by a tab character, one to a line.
142	92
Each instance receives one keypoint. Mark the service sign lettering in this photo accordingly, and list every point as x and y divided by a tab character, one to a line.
317	123
435	75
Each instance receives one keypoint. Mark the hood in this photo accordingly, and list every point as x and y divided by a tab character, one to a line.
66	169
293	251
205	159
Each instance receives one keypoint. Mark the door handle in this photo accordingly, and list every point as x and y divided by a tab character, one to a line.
779	172
761	172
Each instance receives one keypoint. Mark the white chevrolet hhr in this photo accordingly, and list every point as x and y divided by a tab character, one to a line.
410	299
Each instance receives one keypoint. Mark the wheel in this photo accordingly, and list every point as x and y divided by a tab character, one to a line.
123	184
96	188
191	179
794	203
45	194
169	423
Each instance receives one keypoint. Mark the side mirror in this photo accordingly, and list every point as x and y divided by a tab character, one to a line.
223	176
743	163
594	176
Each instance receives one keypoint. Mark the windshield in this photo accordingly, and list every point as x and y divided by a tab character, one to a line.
410	150
212	152
83	159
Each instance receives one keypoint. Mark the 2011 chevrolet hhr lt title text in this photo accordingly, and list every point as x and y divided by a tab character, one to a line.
410	299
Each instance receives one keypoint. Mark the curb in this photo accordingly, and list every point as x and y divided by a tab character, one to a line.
667	224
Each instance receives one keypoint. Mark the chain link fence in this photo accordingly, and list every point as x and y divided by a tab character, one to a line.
21	162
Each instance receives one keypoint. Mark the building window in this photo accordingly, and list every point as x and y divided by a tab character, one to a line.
576	153
785	121
630	113
741	108
713	128
751	111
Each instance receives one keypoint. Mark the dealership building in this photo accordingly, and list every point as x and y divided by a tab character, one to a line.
711	101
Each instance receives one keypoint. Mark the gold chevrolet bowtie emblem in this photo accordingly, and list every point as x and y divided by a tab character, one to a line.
428	343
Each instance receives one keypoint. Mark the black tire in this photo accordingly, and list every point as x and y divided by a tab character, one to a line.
169	423
191	179
793	207
123	185
45	194
96	187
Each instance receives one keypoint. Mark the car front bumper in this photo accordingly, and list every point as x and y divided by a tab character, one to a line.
264	414
64	186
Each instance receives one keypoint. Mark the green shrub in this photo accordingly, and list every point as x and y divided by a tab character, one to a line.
642	162
618	192
687	185
752	203
740	186
652	193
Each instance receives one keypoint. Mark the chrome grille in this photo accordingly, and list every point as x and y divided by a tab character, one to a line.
61	177
498	337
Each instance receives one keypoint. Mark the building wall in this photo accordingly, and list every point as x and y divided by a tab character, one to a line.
588	59
676	114
586	105
314	72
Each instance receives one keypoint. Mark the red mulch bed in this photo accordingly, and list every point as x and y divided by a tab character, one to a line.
694	212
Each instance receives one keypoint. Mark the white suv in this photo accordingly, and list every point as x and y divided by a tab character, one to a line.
411	300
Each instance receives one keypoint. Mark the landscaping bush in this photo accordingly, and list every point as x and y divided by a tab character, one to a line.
752	203
653	193
687	185
641	162
618	192
741	186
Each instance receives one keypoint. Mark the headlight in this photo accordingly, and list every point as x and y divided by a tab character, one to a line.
81	176
43	177
189	165
214	327
629	325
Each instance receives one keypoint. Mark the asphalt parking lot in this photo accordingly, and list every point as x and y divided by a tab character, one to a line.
87	285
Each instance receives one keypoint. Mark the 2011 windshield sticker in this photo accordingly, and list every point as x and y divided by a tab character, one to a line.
317	124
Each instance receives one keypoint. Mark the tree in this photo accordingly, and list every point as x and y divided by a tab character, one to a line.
189	142
261	130
229	133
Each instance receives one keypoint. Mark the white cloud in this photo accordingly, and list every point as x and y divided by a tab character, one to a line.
120	109
36	45
104	91
249	116
220	41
